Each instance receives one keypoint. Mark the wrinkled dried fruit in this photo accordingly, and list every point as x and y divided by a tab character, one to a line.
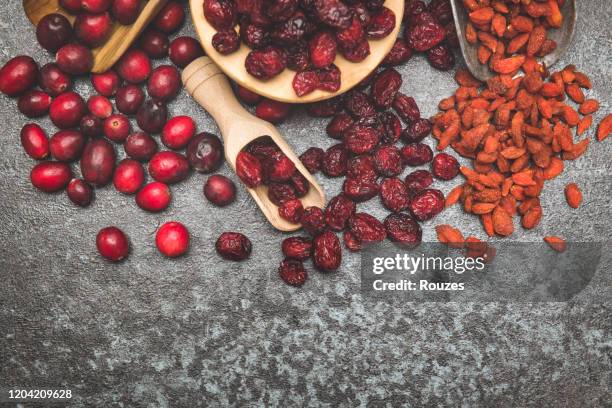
291	210
445	166
416	154
249	169
299	248
233	246
313	220
367	228
426	204
403	229
292	272
394	194
338	211
327	254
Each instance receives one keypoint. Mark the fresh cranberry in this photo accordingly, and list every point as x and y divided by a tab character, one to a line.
219	190
247	96
169	167
67	110
164	83
34	103
125	11
18	75
98	162
53	31
426	204
403	229
292	272
79	192
327	253
129	176
112	244
117	128
172	239
272	111
154	197
221	14
152	116
313	220
100	106
154	43
34	141
129	99
233	246
74	59
178	131
134	66
312	159
72	6
249	169
50	176
96	6
91	126
183	50
170	18
140	146
53	80
418	180
93	29
106	83
67	145
338	211
205	152
445	166
299	248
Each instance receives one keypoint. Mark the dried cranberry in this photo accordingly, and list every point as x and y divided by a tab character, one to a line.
313	220
413	8
351	242
394	194
249	169
233	246
334	161
385	87
280	10
329	78
322	47
280	168
399	54
357	54
418	180
359	104
299	248
374	4
226	41
367	228
351	36
264	148
221	14
292	272
392	126
423	18
451	35
298	58
445	166
305	82
426	204
401	228
299	182
327	254
266	63
441	57
278	193
416	131
291	210
338	125
338	211
361	139
416	154
361	167
362	13
422	37
254	36
290	31
360	190
406	107
381	24
442	10
312	159
333	13
325	108
388	161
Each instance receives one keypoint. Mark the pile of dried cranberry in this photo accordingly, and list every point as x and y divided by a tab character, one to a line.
302	35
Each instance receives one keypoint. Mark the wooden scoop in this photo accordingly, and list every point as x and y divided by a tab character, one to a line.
207	84
118	42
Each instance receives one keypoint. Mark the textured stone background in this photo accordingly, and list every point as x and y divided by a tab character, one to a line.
200	332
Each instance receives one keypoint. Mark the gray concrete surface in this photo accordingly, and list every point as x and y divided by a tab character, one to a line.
200	332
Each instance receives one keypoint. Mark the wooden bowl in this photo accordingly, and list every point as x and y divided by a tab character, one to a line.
279	88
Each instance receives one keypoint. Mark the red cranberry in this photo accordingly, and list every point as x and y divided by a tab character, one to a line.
403	229
172	239
53	31
360	190
129	176
96	6
169	167
112	244
74	59
441	57
312	158
281	168
219	190
426	204
98	162
140	146
106	83
292	272
18	75
100	106
178	131
226	41
117	128
67	110
338	211
266	63
134	66
367	228
299	248
91	126
322	48
34	141
164	83
152	116
154	197
125	11
233	246
327	254
247	96
278	193
93	29
72	6
272	111
129	99
50	176
79	192
388	161
394	194
339	124
399	54
418	180
416	154
205	152
249	169
406	107
385	87
183	50
416	131
34	103
445	166
221	14
313	220
67	145
53	80
335	161
170	18
361	167
351	242
291	210
154	43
